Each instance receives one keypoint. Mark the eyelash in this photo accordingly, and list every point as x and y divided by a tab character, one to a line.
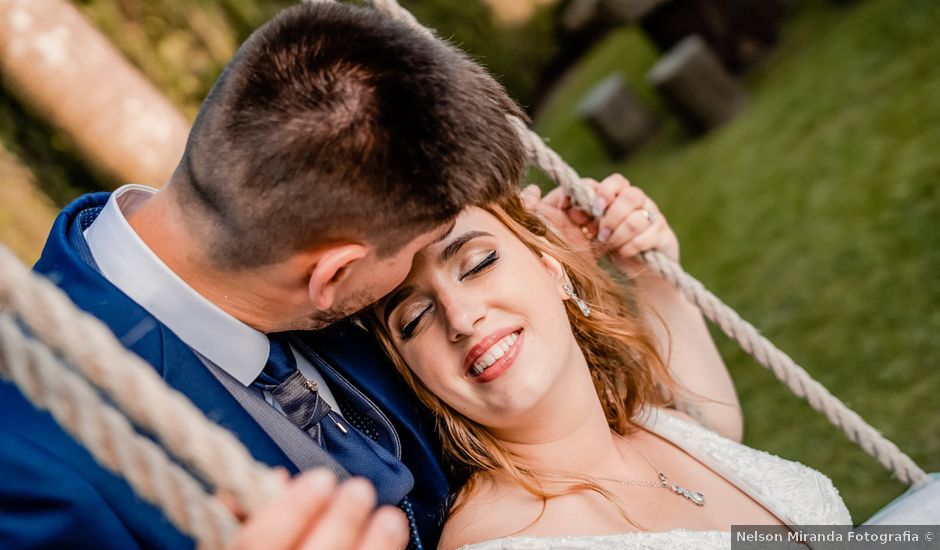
407	331
486	262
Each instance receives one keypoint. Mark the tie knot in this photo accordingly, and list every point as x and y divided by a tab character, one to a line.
281	362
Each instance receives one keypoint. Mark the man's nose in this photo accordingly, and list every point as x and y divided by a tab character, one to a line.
462	312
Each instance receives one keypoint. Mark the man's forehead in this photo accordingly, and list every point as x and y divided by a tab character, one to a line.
448	229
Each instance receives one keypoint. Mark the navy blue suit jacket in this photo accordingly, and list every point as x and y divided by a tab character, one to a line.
54	494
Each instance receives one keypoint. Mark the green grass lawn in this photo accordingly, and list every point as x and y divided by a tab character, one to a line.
816	214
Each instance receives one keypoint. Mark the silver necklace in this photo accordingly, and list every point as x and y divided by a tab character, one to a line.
695	496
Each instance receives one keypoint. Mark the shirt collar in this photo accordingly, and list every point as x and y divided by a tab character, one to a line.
128	263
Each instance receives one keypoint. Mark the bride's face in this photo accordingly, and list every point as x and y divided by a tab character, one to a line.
481	321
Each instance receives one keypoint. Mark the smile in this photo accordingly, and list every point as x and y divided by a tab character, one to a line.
491	357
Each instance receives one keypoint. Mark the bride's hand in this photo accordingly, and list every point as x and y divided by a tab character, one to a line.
629	223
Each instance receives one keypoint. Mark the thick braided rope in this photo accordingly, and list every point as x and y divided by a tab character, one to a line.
787	371
86	344
106	433
783	367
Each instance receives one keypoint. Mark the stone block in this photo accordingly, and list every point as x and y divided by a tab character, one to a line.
583	15
630	11
579	15
741	32
695	83
616	115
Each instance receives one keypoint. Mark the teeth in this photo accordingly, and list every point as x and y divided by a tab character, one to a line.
495	352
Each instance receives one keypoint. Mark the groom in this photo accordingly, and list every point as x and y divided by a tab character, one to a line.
334	145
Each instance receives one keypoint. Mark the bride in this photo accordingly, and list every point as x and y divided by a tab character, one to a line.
563	401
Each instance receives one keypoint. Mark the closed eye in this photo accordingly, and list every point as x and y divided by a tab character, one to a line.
489	260
408	330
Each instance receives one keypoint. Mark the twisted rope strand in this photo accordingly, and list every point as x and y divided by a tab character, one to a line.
134	386
110	438
787	371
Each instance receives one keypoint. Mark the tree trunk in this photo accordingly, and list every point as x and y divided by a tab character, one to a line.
55	62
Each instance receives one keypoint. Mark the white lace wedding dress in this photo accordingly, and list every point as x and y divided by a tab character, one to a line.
796	494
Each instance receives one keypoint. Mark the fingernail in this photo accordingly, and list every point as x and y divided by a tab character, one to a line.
603	234
600	205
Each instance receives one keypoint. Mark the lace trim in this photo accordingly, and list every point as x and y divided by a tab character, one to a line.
797	494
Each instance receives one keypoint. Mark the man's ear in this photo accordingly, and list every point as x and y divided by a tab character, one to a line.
330	271
557	272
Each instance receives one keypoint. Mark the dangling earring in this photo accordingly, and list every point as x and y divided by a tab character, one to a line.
582	305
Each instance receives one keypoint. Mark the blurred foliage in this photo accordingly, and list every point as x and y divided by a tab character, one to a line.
49	154
515	54
25	212
814	214
182	45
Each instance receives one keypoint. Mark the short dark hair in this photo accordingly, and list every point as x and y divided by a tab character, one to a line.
333	121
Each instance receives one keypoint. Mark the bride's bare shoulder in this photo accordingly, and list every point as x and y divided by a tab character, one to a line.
492	509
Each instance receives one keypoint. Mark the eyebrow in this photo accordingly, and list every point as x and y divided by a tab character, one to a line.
446	254
458	243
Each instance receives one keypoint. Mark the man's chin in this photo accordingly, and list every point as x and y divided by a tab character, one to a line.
322	319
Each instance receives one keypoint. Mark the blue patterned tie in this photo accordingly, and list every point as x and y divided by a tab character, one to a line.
300	400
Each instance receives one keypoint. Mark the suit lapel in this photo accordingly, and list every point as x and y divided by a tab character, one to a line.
354	353
296	444
65	260
183	370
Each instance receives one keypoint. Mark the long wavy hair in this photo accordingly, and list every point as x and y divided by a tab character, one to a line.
626	368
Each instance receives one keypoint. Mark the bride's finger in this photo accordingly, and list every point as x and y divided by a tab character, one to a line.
627	200
557	198
613	219
578	216
658	236
640	243
634	224
607	192
530	197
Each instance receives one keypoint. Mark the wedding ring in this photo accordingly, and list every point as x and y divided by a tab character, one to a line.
649	215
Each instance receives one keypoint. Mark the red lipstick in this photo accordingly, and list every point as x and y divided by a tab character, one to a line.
499	366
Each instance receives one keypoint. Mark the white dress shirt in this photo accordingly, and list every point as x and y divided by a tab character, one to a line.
129	264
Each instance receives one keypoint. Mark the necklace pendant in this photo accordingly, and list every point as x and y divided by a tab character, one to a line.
695	496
